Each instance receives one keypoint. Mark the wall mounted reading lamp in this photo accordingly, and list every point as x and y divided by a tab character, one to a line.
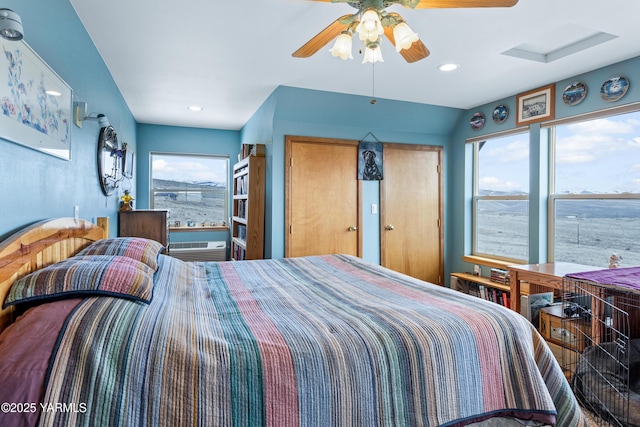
10	25
109	153
80	115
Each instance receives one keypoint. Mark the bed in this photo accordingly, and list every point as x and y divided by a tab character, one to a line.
313	341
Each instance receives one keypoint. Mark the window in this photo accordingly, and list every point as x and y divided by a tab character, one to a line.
501	197
193	187
595	205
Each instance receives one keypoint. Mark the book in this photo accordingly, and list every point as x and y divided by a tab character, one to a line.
499	276
258	150
505	299
246	150
242	232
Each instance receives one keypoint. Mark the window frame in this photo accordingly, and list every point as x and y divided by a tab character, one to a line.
226	191
553	196
476	198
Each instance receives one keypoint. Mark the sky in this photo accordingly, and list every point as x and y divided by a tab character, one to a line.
600	156
190	168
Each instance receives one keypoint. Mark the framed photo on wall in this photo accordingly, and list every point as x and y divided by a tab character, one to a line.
35	103
535	106
370	161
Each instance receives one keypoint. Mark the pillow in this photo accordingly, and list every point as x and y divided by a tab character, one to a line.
110	275
138	248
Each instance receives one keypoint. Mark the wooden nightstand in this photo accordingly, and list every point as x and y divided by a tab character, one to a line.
150	224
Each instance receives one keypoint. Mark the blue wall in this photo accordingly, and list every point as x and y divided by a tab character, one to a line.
172	139
292	111
460	162
34	185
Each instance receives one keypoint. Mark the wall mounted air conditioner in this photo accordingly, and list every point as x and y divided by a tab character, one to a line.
199	251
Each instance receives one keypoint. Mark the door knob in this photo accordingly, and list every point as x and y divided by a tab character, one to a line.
353	228
389	227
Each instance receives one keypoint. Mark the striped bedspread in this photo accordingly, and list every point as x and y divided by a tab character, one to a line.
315	341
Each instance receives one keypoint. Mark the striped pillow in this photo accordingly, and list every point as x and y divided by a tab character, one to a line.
116	276
138	248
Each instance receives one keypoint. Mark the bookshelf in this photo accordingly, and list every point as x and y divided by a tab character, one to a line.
247	220
499	289
495	288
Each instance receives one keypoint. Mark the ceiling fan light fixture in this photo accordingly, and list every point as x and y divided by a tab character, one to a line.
404	36
370	27
343	45
373	53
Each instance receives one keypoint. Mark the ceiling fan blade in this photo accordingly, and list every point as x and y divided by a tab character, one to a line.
436	4
416	52
322	38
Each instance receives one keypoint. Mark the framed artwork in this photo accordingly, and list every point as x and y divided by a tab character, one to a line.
535	106
370	161
35	103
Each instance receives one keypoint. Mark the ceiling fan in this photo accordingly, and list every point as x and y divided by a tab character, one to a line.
372	20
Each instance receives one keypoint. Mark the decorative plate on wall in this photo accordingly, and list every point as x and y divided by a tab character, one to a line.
500	114
614	88
575	93
477	121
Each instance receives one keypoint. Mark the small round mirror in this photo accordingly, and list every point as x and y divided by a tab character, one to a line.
109	160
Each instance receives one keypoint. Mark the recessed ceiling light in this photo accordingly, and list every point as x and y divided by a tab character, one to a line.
195	108
448	67
53	93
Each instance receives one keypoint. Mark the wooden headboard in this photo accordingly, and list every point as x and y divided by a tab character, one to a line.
41	244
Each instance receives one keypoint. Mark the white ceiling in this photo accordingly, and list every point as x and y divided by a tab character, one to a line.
229	56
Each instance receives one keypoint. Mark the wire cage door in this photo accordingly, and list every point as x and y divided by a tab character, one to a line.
601	349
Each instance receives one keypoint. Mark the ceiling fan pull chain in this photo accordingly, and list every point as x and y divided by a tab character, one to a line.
373	83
